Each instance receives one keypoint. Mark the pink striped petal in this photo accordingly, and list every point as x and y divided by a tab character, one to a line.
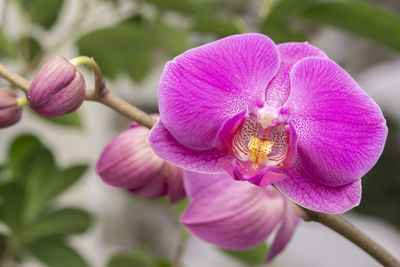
278	90
168	148
284	234
302	189
195	182
204	86
341	130
232	214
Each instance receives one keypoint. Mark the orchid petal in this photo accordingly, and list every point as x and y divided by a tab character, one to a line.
168	148
302	189
341	130
195	182
279	89
284	234
261	177
233	215
176	190
229	129
204	86
154	187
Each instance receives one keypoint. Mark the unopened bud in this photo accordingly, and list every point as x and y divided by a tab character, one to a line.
129	162
10	110
58	89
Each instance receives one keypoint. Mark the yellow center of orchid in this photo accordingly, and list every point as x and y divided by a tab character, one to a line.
259	149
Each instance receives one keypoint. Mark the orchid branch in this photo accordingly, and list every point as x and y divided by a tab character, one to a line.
346	229
183	238
334	222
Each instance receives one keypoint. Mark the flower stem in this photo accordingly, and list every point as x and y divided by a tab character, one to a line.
22	101
346	229
121	106
99	83
14	78
184	236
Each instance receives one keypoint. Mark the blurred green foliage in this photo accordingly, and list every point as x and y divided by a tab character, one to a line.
251	257
379	25
137	258
30	182
69	120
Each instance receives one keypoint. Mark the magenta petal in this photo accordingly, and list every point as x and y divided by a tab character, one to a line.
263	177
284	234
341	130
204	86
166	146
304	191
233	215
195	182
290	53
176	190
224	141
155	186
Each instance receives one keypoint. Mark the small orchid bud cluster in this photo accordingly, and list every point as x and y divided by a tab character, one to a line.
57	89
10	107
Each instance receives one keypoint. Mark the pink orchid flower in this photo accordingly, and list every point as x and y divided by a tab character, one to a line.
270	114
235	215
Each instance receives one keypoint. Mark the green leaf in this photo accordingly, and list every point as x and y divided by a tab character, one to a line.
44	188
3	244
172	39
180	207
38	168
366	20
134	259
61	181
282	11
7	47
162	263
190	6
43	12
34	48
122	48
12	205
252	256
56	253
61	222
209	24
19	150
276	24
284	34
69	120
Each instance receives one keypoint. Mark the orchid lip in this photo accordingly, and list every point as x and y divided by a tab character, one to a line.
257	140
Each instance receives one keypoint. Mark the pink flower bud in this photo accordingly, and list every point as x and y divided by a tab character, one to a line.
57	89
10	111
129	162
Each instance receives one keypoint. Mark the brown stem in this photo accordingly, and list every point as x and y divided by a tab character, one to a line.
349	231
14	78
122	107
184	236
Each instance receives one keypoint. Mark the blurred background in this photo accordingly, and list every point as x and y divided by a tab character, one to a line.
66	216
